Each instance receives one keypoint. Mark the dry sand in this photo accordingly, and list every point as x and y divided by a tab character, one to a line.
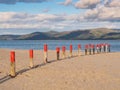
91	72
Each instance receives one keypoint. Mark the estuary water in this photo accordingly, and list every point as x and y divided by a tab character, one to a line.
52	44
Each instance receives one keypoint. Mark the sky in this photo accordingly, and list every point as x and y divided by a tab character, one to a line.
26	16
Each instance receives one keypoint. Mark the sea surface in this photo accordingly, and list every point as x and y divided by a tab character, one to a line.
52	44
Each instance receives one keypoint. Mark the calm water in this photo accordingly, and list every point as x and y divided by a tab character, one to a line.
38	44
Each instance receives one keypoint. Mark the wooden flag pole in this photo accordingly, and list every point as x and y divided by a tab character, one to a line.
45	53
12	64
63	52
79	47
58	53
31	58
71	48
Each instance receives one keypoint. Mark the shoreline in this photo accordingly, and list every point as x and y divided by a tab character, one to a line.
49	49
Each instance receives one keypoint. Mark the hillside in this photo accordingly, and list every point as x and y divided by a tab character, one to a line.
93	34
35	36
9	37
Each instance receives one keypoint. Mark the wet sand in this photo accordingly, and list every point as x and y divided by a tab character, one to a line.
85	72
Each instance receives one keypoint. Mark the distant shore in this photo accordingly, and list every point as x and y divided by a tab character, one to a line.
84	72
90	34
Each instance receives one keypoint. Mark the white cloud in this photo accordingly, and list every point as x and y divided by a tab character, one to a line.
114	3
103	14
24	20
67	2
110	26
87	4
95	18
105	1
107	10
5	16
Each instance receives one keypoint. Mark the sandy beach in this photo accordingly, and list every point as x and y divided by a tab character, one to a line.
85	72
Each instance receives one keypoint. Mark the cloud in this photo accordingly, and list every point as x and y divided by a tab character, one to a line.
86	4
113	3
110	26
105	1
25	21
25	1
66	3
103	14
96	10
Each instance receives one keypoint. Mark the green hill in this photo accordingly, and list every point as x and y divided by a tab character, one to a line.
92	34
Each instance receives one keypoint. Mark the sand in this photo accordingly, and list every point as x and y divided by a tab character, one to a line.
85	72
